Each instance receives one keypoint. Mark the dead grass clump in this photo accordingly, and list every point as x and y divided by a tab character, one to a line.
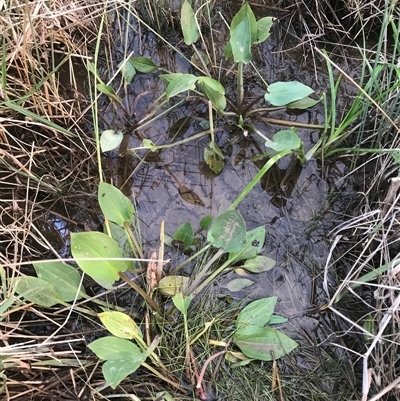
367	299
311	20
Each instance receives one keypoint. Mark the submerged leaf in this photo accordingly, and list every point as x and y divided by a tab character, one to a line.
213	160
259	264
228	231
184	234
263	343
239	284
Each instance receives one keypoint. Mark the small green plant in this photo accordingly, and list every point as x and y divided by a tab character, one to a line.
245	33
101	257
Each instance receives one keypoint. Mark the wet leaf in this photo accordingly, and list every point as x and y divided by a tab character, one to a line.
276	319
115	370
143	64
189	24
37	290
110	139
283	93
107	347
239	284
214	91
180	84
181	303
264	26
64	278
302	104
196	60
120	325
257	313
263	343
171	285
284	140
259	264
184	234
107	90
100	247
128	71
254	243
179	128
228	231
205	222
243	13
115	205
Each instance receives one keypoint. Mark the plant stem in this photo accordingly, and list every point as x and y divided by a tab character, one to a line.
240	89
203	272
210	119
188	260
206	363
153	305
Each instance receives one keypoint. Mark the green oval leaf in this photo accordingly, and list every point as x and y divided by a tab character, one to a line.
241	42
120	325
239	284
257	313
228	231
115	370
180	84
101	247
143	64
284	140
110	139
263	343
283	93
189	24
107	347
115	205
254	243
64	278
276	319
184	234
259	264
37	290
172	285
